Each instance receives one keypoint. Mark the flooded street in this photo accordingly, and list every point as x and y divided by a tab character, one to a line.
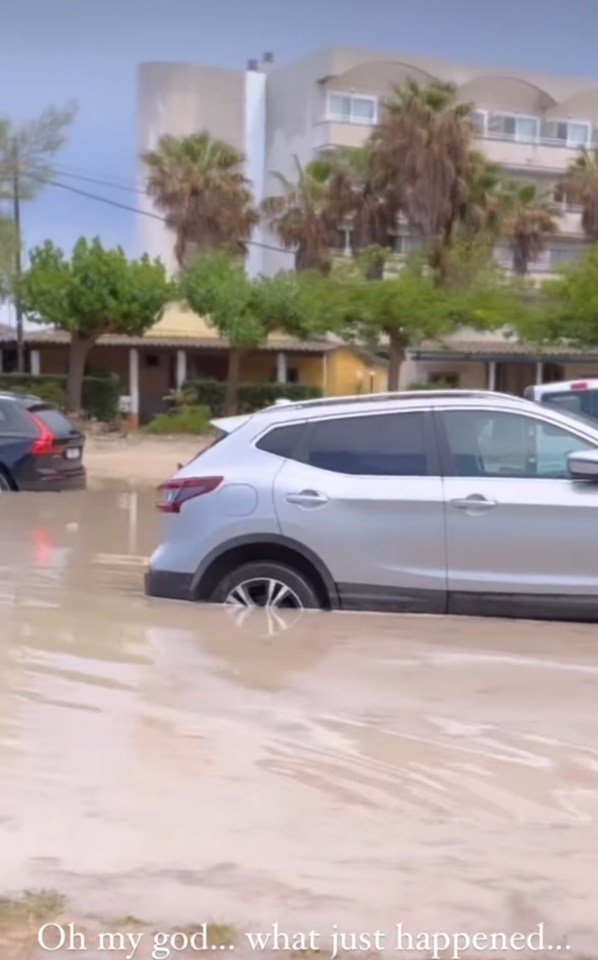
168	761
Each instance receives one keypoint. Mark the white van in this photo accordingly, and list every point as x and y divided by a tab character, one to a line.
572	396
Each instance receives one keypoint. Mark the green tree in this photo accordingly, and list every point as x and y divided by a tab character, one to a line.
580	186
7	255
96	291
26	154
242	310
397	313
197	182
567	310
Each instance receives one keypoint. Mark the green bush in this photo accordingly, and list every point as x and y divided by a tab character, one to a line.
101	397
431	385
195	420
49	391
252	396
100	394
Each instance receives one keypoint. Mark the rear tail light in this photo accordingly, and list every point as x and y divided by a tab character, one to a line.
45	444
174	493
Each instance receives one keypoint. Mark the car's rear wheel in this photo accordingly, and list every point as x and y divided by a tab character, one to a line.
263	584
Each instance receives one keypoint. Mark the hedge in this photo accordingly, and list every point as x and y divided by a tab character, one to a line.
101	395
251	396
193	420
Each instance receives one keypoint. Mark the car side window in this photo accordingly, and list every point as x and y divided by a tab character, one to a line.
491	443
10	421
382	445
282	441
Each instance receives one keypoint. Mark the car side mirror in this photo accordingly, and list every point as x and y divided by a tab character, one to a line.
583	465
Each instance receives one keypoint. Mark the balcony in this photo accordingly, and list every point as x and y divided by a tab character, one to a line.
330	134
542	155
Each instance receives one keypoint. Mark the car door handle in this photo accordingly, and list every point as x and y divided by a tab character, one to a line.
307	498
475	502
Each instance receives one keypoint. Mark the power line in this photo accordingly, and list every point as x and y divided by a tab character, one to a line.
125	206
101	183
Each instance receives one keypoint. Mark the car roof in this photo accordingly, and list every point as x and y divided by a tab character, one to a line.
329	406
292	412
558	386
26	399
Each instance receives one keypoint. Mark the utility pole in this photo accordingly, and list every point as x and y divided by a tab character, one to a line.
18	266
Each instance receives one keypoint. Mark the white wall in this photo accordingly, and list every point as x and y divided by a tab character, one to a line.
255	158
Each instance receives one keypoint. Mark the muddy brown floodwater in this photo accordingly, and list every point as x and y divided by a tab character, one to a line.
168	761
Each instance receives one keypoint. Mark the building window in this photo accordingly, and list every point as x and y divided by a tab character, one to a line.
478	120
567	133
152	360
506	126
352	108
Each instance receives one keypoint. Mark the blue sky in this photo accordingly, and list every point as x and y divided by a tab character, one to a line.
52	50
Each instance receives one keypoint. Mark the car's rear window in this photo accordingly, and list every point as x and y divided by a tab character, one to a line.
282	441
53	419
584	402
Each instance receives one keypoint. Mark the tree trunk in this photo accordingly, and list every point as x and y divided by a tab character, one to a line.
80	347
396	355
231	398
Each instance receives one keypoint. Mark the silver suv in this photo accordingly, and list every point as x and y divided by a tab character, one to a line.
434	502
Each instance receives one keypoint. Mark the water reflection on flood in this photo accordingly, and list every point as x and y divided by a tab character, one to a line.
161	759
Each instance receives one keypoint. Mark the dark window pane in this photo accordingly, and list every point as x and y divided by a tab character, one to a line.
282	441
11	419
54	420
391	445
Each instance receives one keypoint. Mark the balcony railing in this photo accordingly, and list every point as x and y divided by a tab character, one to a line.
531	140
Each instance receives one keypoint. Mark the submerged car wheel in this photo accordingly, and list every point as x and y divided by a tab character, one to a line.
271	585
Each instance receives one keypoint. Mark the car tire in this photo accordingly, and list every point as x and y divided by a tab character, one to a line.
260	580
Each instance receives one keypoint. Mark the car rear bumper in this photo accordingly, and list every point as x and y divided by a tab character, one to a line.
168	584
54	483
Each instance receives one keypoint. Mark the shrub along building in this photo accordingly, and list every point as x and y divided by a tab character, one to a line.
182	347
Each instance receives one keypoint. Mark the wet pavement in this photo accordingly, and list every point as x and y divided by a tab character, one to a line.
165	760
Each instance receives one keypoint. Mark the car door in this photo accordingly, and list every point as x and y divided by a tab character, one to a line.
363	493
521	534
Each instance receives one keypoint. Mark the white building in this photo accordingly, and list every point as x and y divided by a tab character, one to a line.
529	123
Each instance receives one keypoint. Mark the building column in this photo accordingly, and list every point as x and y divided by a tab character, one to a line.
134	388
181	368
35	364
539	372
281	368
492	375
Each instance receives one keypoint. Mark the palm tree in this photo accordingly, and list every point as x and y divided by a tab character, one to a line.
359	194
529	220
422	151
303	217
581	186
482	198
198	184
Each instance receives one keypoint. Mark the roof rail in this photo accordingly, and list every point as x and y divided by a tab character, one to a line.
390	395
